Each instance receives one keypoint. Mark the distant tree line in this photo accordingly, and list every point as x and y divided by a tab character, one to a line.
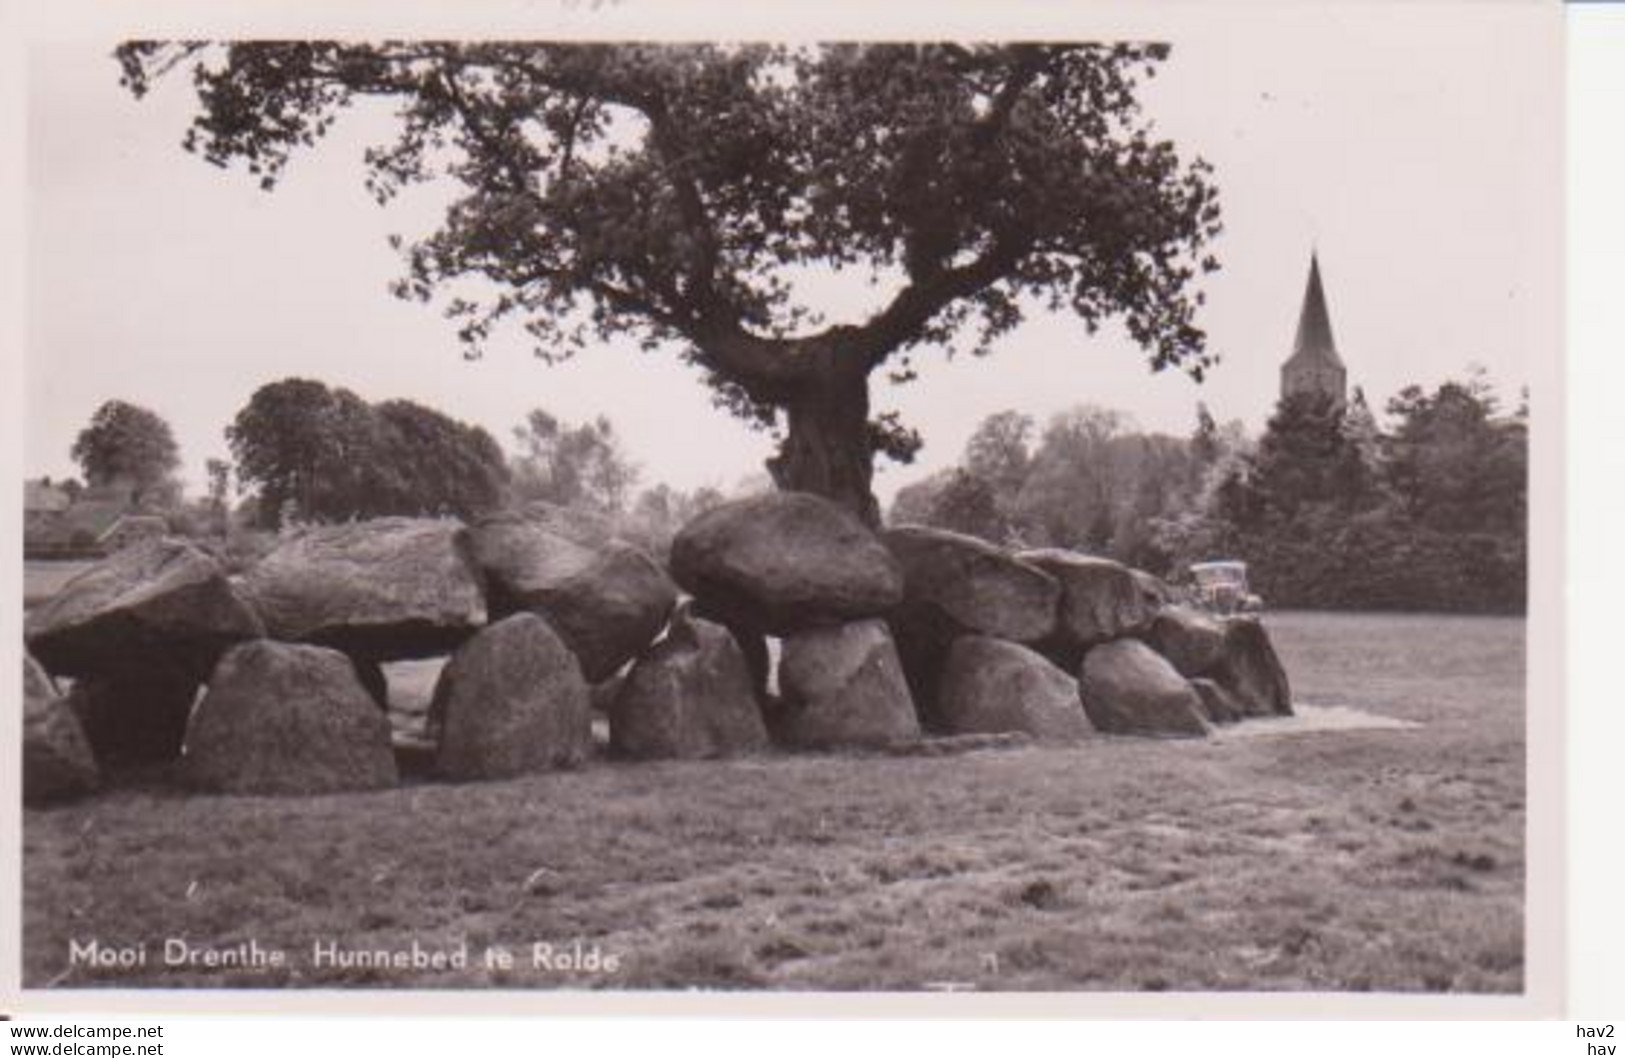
1091	480
304	452
131	448
317	454
1329	509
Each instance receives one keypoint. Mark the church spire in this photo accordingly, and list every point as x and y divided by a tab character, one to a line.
1314	341
1314	365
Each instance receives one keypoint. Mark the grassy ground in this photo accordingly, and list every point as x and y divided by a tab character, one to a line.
1352	860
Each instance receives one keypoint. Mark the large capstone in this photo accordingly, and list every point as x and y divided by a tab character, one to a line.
843	686
511	701
283	718
608	601
1155	593
992	687
574	524
1101	600
970	586
785	561
957	585
1130	689
691	695
386	590
57	760
1191	640
163	603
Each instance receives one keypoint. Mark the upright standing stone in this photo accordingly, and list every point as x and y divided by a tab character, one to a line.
843	686
691	695
511	701
281	718
991	687
1129	689
57	760
1251	670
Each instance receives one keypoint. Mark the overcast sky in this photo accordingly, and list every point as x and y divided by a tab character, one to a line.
1401	142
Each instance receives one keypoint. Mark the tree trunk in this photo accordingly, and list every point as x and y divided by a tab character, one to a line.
827	449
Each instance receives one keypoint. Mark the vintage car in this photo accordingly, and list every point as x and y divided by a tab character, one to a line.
1222	587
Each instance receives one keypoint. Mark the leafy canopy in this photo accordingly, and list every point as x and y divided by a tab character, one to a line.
571	466
325	455
683	193
128	445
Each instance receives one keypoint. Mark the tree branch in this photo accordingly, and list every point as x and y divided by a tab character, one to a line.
902	320
499	153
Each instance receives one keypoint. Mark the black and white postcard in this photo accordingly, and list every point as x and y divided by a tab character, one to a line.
970	508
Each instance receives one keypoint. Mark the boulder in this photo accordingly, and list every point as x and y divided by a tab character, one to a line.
993	687
162	600
1100	600
1218	704
1155	593
1192	641
384	590
57	760
785	561
1130	689
967	585
608	601
135	718
689	696
1251	671
958	585
574	524
284	718
511	701
843	686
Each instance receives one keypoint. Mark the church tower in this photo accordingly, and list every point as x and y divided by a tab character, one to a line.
1314	366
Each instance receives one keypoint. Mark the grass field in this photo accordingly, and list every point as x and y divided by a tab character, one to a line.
1353	860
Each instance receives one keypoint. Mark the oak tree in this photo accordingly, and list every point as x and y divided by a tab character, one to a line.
306	451
685	194
325	455
132	447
